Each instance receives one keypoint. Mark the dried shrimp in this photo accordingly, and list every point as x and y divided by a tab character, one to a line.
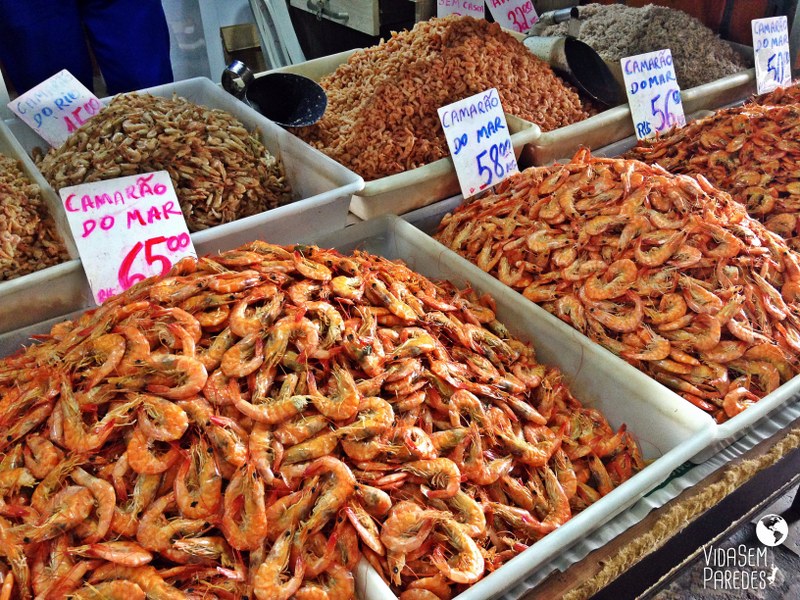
220	171
382	104
663	270
29	240
749	151
358	409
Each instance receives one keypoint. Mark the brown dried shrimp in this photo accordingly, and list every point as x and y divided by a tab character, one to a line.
751	151
255	422
663	270
382	104
220	171
29	240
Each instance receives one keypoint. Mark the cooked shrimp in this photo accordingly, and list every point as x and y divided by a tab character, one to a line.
160	419
442	473
146	577
142	455
336	583
271	582
105	498
109	590
466	564
338	490
244	520
344	402
126	553
198	483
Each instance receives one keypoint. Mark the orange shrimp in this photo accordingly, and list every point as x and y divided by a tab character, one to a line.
336	493
442	473
466	565
105	498
198	483
126	553
268	583
142	457
110	590
336	583
244	522
146	577
160	419
344	403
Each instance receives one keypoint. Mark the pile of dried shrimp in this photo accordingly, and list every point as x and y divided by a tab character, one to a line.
244	425
382	103
751	152
220	171
29	240
663	270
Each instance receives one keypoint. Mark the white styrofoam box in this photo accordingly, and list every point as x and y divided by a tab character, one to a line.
669	430
53	290
321	186
403	192
427	219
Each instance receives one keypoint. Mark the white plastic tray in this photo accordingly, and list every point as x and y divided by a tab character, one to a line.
323	188
427	219
17	295
669	430
615	124
402	192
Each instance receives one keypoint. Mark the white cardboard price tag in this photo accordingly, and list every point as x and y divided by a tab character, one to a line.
56	107
472	8
654	95
126	229
516	15
771	47
479	141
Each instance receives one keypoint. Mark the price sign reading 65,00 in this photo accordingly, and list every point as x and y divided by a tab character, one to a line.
126	230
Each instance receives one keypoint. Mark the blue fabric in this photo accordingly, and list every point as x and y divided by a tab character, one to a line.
129	38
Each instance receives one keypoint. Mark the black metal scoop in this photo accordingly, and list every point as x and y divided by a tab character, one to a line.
288	99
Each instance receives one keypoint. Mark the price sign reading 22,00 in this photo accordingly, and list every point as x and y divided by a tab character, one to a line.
153	250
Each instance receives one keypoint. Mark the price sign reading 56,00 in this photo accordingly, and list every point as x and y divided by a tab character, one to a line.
126	230
771	48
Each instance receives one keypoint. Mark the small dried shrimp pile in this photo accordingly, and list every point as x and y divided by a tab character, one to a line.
663	270
29	240
752	152
382	104
219	170
241	427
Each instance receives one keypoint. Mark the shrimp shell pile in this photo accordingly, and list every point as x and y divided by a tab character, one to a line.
780	96
751	152
220	171
29	240
244	425
663	270
382	104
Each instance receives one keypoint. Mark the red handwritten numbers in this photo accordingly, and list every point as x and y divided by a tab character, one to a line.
151	256
523	17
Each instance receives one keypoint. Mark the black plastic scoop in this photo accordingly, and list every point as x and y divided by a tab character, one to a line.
288	99
580	64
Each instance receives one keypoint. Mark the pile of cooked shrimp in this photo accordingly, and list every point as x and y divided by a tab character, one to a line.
750	151
663	270
256	422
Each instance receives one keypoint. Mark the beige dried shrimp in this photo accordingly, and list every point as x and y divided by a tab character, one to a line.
663	270
255	422
29	240
219	170
752	152
381	117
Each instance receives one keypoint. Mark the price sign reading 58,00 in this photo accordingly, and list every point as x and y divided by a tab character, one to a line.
126	230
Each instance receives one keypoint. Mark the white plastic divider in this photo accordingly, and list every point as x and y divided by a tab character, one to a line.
427	219
321	187
402	192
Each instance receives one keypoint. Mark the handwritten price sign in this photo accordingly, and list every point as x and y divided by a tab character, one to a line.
771	47
516	15
473	8
479	142
56	107
126	230
653	93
